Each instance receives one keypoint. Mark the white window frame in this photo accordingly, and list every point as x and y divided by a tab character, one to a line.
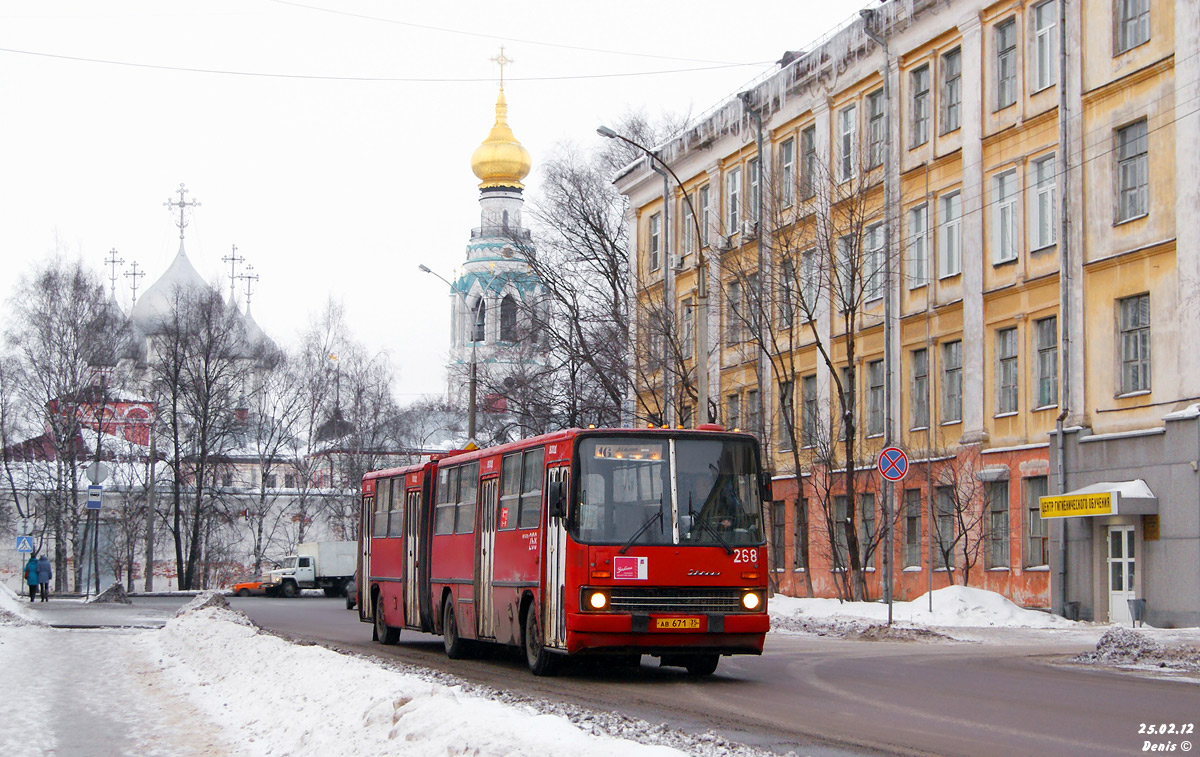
1043	202
952	381
1045	333
733	317
733	188
787	171
848	142
951	94
872	263
1045	22
1006	63
1005	209
1133	171
919	123
705	214
808	408
654	234
875	136
809	278
950	235
688	315
687	222
1133	24
808	162
875	398
1008	380
755	178
919	388
918	246
1134	354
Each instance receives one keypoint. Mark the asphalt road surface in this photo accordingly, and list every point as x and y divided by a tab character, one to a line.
816	695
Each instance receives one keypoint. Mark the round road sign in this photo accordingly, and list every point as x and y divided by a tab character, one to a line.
893	464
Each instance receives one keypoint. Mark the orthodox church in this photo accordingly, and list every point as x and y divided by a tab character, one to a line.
495	293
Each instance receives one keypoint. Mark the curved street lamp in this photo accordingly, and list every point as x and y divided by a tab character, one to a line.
701	267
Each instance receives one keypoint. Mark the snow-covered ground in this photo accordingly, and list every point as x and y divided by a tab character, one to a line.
210	682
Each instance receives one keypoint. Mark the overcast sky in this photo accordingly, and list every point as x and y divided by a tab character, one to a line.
331	141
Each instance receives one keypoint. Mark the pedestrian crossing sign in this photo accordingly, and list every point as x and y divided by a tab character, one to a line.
24	543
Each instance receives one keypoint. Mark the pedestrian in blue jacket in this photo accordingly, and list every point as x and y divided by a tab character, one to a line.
31	577
45	573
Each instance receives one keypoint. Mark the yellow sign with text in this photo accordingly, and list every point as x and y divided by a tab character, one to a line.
1071	505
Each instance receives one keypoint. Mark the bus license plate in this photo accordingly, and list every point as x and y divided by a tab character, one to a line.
676	624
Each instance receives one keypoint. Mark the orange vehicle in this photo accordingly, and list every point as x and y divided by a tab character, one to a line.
617	542
249	587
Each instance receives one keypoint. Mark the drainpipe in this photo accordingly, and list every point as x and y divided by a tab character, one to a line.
1064	292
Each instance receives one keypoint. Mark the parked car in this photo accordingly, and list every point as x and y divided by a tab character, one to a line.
248	587
327	565
352	594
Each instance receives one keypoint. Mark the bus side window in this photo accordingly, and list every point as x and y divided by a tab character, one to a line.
446	492
531	488
381	508
464	521
510	491
396	512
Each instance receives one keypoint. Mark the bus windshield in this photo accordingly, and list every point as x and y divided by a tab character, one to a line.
625	492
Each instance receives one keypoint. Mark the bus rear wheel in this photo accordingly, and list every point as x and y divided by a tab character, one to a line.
702	664
542	662
384	633
456	646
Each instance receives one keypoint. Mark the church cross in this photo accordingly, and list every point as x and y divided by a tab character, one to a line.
249	277
503	60
133	276
232	259
183	205
112	261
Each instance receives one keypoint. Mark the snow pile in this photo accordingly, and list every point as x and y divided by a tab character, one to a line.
113	594
202	600
1124	647
13	611
277	698
953	607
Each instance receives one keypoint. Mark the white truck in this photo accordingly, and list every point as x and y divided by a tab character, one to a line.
327	565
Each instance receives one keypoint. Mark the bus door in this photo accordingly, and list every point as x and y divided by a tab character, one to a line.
554	623
412	592
485	549
363	582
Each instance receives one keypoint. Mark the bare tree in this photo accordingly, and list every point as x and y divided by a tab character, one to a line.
961	526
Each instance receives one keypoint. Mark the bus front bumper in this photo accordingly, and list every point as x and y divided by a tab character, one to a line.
733	633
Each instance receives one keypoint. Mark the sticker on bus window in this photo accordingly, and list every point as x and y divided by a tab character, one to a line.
504	517
631	568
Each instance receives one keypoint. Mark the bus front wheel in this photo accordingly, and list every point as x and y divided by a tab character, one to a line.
702	664
542	661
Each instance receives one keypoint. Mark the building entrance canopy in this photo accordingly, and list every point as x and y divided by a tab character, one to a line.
1105	498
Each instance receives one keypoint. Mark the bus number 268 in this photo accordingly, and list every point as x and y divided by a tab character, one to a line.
745	555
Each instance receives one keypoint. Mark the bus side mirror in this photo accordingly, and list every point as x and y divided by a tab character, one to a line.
557	500
764	487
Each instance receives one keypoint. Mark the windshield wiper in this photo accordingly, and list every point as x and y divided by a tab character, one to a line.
705	525
657	516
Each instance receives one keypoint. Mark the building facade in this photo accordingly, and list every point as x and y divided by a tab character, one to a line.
975	223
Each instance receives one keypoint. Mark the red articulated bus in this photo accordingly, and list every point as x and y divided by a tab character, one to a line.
617	542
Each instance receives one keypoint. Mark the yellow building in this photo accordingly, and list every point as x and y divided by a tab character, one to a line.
973	235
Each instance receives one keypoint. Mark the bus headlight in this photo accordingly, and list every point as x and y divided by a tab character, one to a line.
597	600
751	600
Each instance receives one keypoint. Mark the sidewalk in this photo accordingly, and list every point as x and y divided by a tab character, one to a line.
72	612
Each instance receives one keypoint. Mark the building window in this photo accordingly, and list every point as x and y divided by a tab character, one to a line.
1004	216
873	263
755	189
1046	333
809	280
943	529
733	411
1043	202
655	241
1133	24
1007	389
227	479
918	246
733	313
705	215
787	171
997	497
920	106
787	415
841	519
508	319
950	236
787	294
849	407
689	326
289	481
847	142
845	295
866	524
479	316
733	188
920	388
1135	344
875	398
952	381
875	126
912	528
1036	536
1045	21
808	396
798	535
753	419
1132	171
808	162
1006	63
951	91
778	526
687	222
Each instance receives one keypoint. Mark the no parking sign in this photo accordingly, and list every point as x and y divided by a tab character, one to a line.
893	464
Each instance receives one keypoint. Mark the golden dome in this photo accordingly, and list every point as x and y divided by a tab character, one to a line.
501	161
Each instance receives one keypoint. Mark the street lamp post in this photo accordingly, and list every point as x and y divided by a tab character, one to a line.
702	267
475	327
